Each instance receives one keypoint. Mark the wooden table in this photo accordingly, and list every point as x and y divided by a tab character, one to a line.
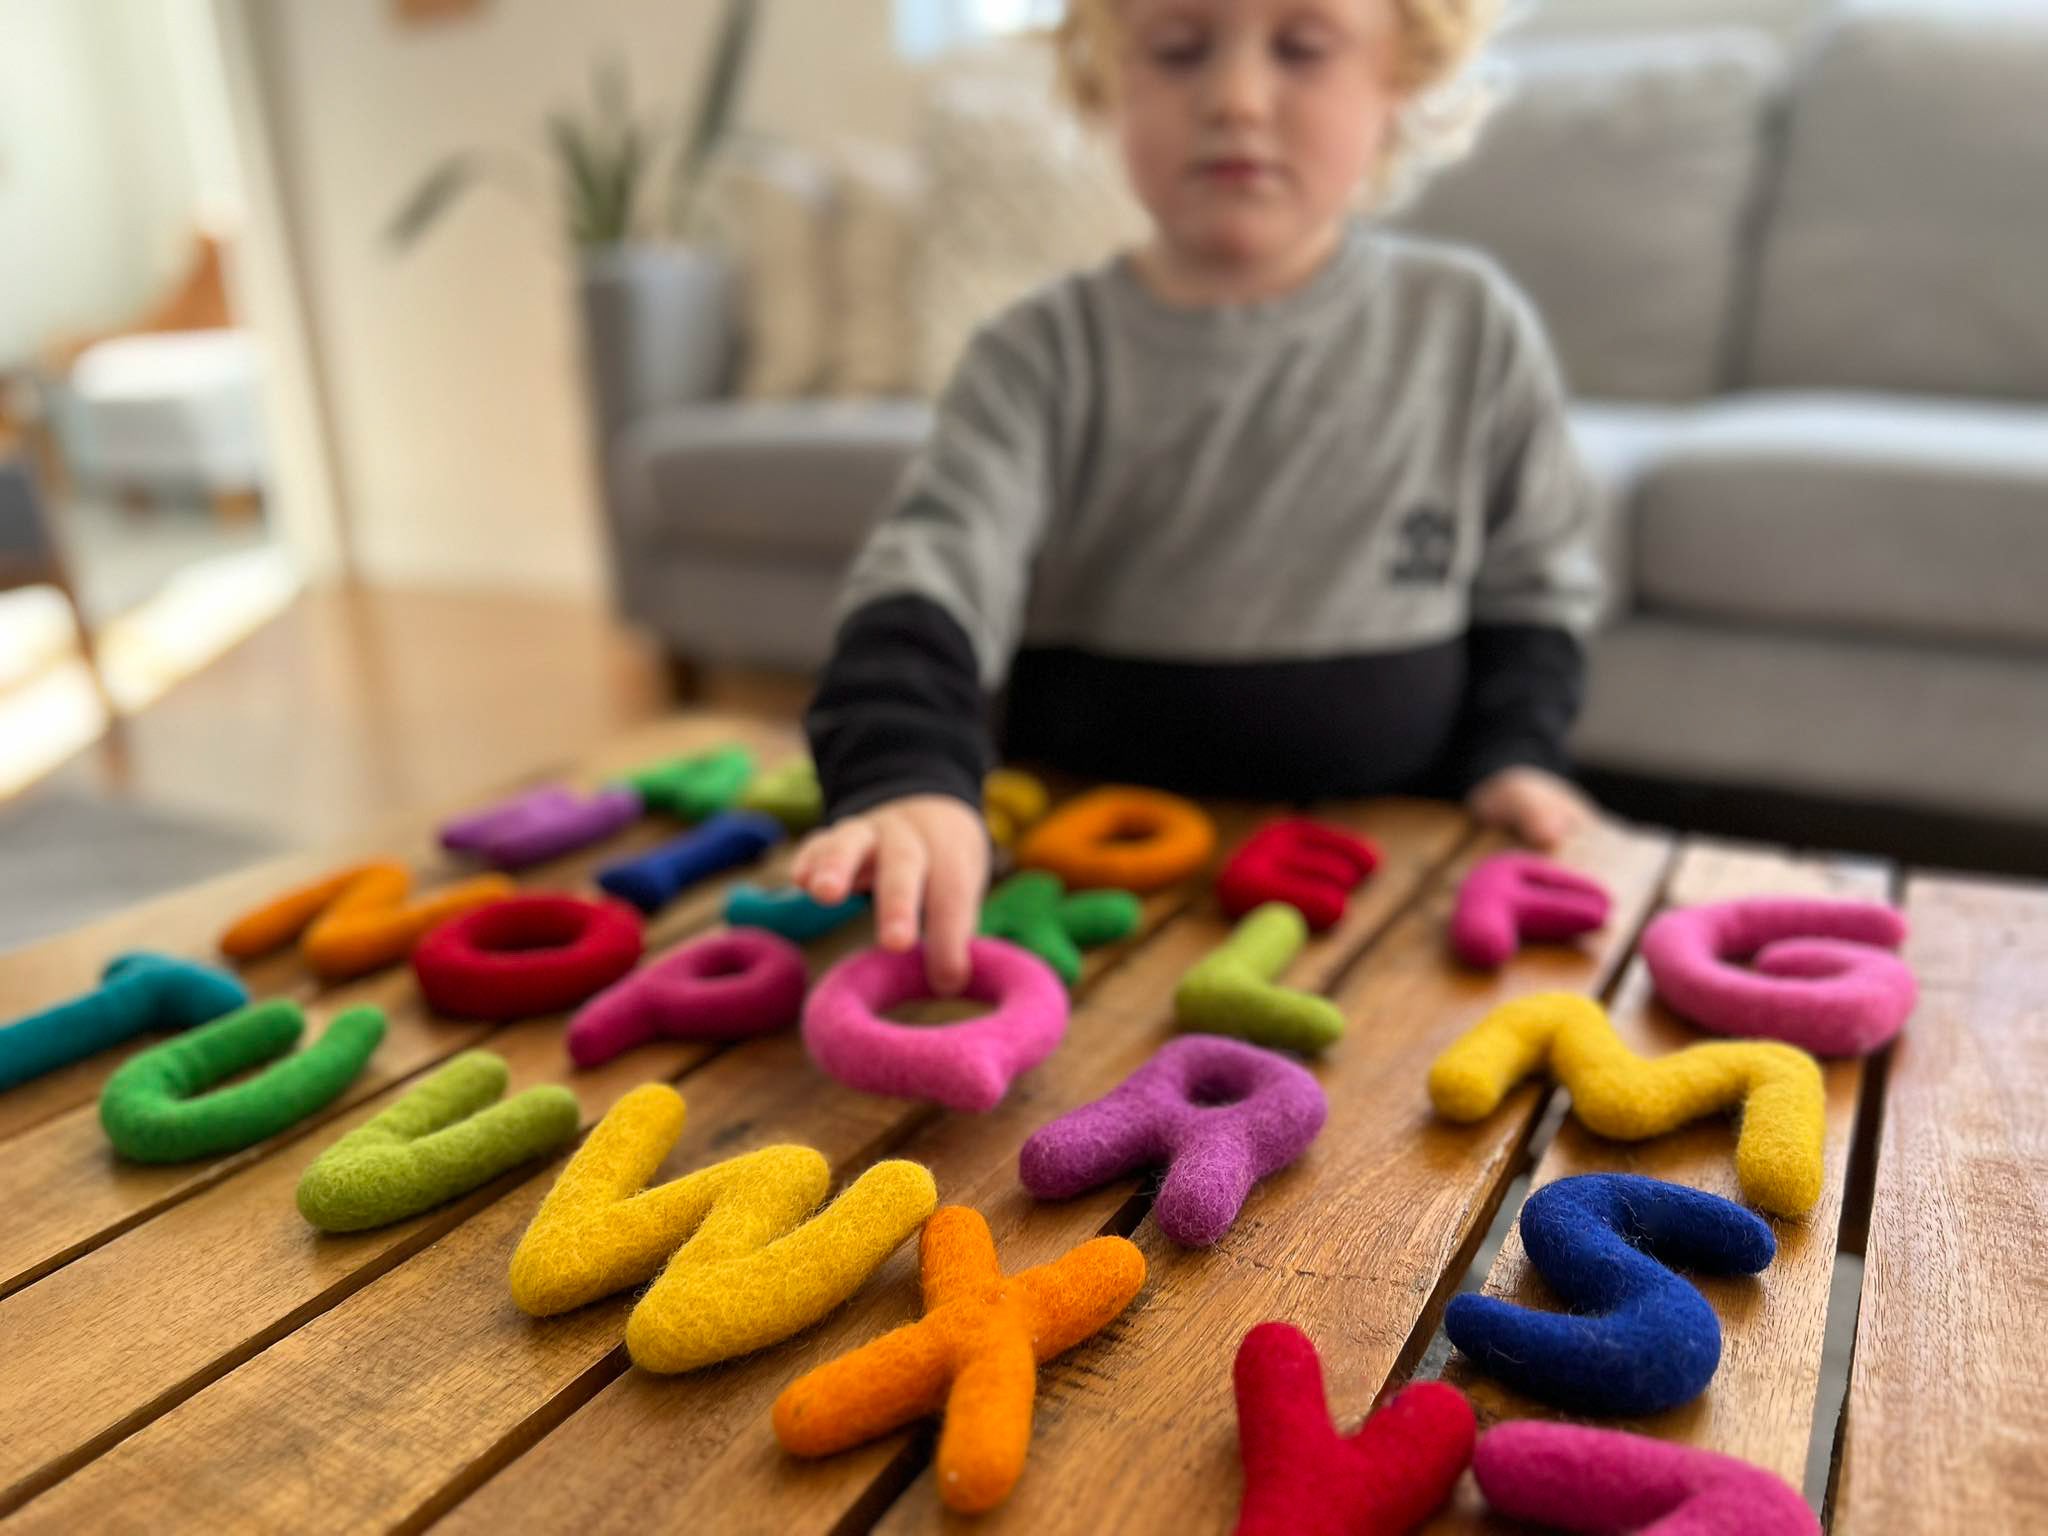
178	1349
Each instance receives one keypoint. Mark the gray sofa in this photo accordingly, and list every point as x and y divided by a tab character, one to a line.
1803	305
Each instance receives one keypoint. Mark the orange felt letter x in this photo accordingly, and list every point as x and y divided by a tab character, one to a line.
975	1353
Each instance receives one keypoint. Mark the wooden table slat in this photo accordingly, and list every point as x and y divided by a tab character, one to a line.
1760	1405
703	1442
190	922
73	1193
173	1325
182	1331
181	1349
426	1301
1946	1426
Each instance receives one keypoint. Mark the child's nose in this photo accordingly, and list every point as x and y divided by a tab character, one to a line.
1239	85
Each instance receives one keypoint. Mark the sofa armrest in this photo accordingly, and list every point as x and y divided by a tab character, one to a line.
1620	441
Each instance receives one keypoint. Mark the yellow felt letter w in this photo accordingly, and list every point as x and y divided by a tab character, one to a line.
744	1267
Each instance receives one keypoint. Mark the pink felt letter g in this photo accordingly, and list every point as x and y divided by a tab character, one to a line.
1820	974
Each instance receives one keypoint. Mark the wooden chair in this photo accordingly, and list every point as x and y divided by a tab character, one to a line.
32	554
197	301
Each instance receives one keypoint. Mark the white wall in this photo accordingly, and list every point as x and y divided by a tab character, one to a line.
68	253
452	369
111	142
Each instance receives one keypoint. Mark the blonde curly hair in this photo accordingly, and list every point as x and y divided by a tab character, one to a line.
1440	41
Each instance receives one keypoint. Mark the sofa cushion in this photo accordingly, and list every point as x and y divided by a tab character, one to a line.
1883	515
1620	440
1613	182
803	480
1908	246
1935	727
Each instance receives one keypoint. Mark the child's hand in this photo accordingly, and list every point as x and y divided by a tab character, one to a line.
922	854
1533	803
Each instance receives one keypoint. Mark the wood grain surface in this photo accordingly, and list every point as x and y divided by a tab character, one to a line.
181	1351
1947	1421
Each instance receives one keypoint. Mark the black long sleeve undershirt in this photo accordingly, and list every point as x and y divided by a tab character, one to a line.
900	711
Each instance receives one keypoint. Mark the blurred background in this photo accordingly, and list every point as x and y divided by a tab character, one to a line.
399	395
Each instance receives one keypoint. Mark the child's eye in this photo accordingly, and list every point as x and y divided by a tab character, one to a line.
1300	49
1180	52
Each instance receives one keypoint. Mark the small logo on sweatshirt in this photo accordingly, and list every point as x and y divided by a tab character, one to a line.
1428	541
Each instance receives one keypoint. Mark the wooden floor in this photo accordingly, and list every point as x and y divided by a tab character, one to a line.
183	1352
362	703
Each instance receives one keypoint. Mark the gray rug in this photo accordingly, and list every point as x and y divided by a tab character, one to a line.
68	858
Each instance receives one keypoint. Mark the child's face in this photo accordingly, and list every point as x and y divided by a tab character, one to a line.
1247	125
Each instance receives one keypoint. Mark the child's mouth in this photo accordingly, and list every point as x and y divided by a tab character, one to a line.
1233	171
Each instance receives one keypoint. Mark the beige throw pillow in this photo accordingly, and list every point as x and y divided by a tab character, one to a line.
775	204
1016	192
873	343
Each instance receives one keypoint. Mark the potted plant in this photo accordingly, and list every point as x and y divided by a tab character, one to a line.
655	288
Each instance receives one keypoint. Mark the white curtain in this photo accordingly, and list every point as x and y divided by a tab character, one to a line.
931	26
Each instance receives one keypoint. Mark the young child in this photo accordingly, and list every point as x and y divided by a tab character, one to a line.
1278	506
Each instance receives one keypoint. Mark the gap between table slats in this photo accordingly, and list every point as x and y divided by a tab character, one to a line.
1761	1403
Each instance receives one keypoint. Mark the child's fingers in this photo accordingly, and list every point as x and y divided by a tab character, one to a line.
1488	811
1547	823
900	861
838	859
952	902
806	856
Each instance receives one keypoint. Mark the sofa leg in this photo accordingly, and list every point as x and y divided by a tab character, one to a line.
685	678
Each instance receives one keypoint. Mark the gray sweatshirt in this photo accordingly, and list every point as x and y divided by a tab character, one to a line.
1142	516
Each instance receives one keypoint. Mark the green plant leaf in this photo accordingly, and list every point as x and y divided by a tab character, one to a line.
716	104
583	181
437	192
626	181
609	89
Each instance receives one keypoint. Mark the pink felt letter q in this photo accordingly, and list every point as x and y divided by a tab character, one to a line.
1515	896
725	986
1820	974
967	1065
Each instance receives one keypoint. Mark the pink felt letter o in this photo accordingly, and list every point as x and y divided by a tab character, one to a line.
968	1065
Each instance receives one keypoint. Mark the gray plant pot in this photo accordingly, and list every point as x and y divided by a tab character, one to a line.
658	329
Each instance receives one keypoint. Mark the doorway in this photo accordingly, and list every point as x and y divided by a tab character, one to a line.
160	494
